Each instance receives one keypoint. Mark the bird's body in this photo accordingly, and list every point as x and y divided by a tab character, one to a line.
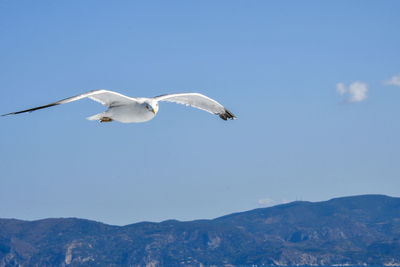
128	109
128	113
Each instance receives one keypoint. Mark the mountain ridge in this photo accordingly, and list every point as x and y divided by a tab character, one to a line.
355	230
234	213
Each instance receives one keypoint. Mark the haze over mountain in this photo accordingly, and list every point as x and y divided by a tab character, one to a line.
352	230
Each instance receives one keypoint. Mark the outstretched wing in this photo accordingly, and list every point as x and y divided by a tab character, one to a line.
198	101
105	97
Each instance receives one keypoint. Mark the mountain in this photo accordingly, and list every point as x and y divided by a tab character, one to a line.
351	230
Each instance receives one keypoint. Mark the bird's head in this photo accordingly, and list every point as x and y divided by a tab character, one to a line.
152	106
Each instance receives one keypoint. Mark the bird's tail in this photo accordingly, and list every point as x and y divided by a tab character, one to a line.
95	117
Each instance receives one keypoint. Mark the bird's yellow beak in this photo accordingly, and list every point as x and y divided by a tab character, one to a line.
154	111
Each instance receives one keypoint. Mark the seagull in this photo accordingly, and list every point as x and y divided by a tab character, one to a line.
127	109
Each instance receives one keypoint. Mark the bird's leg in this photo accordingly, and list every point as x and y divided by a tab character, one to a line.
106	119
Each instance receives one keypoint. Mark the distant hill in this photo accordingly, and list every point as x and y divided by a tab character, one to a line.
352	230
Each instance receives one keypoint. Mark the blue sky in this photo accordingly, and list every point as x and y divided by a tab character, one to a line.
313	84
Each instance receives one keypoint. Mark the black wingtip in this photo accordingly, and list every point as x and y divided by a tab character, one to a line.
31	109
227	115
12	113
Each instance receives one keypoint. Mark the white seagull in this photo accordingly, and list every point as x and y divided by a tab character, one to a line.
139	109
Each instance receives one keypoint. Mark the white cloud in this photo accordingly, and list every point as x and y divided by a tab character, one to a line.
357	91
395	80
341	88
266	202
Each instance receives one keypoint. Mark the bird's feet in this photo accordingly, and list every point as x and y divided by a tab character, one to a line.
106	119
